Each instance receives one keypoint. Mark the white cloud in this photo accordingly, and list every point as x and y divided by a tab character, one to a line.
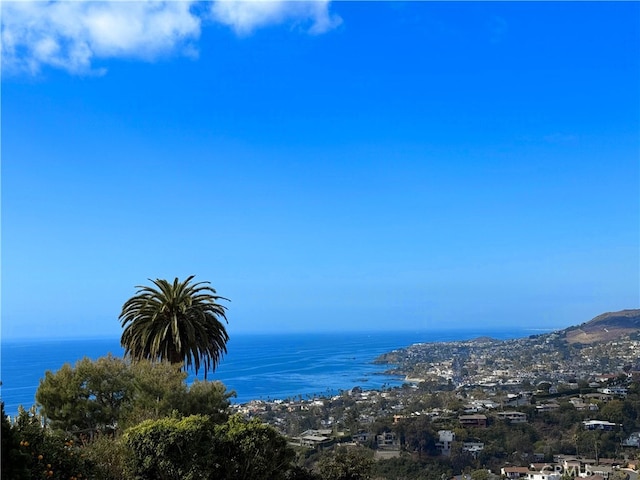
246	16
70	35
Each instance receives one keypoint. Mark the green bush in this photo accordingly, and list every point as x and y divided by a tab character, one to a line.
108	395
15	461
173	449
346	464
195	447
50	454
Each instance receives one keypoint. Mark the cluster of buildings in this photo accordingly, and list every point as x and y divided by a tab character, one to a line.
479	383
519	363
564	466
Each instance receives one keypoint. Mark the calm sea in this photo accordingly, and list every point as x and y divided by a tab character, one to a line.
256	366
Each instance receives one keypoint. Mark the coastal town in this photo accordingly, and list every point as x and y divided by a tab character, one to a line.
542	407
552	406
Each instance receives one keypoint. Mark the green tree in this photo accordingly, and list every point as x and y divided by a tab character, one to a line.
14	461
178	322
345	464
253	450
622	412
52	455
419	436
407	468
207	398
481	474
301	473
109	457
158	389
195	448
110	394
172	449
87	398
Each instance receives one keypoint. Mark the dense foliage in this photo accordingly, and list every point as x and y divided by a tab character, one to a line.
194	447
48	454
15	461
172	449
407	467
343	464
109	394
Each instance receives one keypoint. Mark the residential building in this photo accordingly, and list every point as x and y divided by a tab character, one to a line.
318	439
599	425
543	476
474	448
513	416
473	420
514	472
387	440
446	438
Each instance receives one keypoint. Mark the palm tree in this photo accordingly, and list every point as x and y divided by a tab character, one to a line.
179	322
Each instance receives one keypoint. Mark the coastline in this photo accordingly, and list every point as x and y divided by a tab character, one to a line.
257	366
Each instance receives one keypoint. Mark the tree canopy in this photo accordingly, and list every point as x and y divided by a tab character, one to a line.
110	393
178	322
194	447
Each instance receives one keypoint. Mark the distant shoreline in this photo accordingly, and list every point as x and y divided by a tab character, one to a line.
433	331
257	366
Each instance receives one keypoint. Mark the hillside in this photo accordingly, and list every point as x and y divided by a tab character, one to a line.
606	327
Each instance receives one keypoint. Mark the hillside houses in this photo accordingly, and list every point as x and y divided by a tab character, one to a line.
512	416
513	388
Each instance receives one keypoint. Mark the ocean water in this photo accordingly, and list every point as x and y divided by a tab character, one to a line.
267	367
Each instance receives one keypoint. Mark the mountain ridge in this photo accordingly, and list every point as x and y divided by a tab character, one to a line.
605	327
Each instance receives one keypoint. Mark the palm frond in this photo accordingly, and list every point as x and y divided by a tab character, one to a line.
181	322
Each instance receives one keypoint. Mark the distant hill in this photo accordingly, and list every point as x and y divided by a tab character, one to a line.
484	339
606	327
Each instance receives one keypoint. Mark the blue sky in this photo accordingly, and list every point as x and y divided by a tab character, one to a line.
327	166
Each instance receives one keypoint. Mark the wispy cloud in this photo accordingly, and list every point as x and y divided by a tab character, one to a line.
71	35
246	16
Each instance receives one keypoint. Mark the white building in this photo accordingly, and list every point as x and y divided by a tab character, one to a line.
446	438
543	476
599	425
